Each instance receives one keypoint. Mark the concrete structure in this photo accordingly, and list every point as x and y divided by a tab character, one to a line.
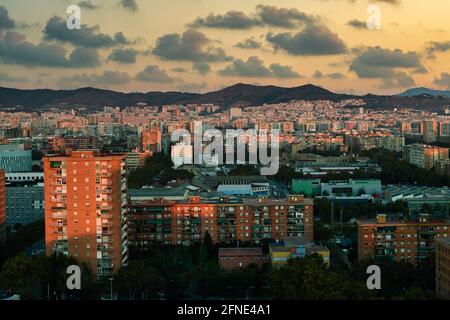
308	187
291	248
24	203
424	156
443	167
86	203
313	187
151	140
351	187
443	268
255	189
236	258
15	158
226	220
25	177
400	240
430	130
438	206
2	206
151	194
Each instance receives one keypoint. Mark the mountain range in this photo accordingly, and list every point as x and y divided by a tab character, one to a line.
236	95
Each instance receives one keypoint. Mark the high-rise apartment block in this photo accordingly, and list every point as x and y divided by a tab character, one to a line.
400	240
443	268
86	205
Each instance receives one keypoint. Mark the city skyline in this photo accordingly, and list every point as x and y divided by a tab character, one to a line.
200	46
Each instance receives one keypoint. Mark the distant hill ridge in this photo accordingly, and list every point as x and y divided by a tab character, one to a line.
237	95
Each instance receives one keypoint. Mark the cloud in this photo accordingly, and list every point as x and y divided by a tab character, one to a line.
264	16
400	79
436	46
254	68
312	40
376	62
130	5
126	55
250	43
358	24
105	78
15	50
201	67
335	75
4	77
5	21
443	80
179	70
282	17
153	73
88	37
387	65
229	20
88	5
190	46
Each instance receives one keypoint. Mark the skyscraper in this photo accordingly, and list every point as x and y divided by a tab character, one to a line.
86	203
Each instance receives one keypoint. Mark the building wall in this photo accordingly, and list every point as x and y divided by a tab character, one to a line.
411	241
2	206
24	204
15	160
235	258
185	222
443	268
85	209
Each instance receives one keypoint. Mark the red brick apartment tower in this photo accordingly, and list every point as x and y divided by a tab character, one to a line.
2	206
86	203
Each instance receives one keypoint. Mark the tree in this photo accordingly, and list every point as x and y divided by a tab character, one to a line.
308	278
139	280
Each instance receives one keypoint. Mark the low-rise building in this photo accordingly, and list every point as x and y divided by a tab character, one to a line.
290	248
235	258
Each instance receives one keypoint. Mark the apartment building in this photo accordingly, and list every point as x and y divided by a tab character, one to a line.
151	140
443	268
424	156
226	220
2	206
400	240
430	130
86	202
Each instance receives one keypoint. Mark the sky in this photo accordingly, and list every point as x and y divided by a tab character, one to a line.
206	45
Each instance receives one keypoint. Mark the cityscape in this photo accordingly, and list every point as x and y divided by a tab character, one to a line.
258	184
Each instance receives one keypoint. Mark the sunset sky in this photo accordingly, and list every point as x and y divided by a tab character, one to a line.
205	45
